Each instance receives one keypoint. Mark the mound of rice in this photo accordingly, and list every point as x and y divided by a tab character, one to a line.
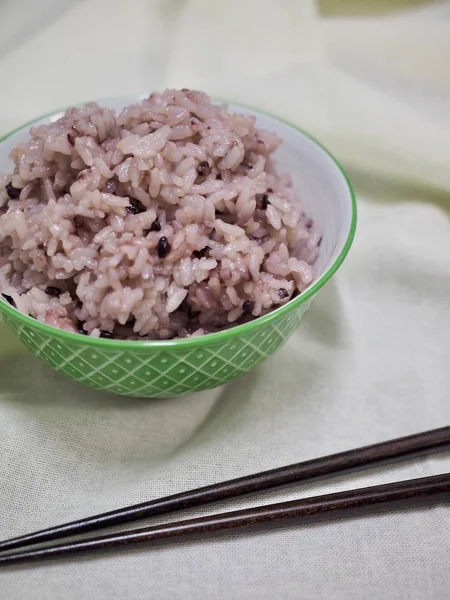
168	220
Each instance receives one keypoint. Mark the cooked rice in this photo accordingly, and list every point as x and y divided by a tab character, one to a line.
167	220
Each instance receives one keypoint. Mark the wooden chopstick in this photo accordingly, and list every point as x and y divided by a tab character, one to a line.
392	496
319	468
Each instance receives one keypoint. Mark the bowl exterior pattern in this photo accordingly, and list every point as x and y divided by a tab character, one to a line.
163	372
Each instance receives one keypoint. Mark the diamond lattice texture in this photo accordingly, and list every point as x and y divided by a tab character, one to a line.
150	372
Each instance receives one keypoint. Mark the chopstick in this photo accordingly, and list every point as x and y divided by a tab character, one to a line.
404	494
319	468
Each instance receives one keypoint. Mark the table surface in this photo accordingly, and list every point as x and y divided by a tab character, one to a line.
369	362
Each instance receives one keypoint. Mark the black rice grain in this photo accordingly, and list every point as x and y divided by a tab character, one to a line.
283	293
53	291
262	201
156	225
80	328
135	207
107	335
12	191
200	253
163	247
203	168
248	306
9	300
192	313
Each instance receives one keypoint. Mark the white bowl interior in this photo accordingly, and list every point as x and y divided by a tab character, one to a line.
320	185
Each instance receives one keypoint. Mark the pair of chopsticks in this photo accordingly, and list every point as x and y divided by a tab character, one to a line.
404	494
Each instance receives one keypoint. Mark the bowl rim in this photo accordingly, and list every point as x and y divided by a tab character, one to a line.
209	338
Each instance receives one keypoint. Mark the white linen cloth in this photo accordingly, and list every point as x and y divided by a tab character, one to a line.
369	362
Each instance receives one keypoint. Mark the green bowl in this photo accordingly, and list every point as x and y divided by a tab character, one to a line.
175	367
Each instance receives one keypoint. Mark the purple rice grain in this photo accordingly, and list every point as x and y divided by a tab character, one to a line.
111	185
